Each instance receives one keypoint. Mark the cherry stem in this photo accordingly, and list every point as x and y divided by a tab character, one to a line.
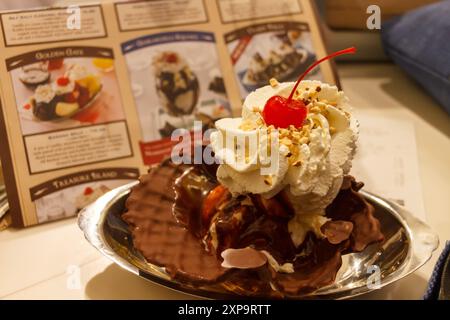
351	50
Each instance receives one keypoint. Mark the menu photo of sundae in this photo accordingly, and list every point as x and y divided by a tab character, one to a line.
64	88
65	196
175	81
68	203
271	50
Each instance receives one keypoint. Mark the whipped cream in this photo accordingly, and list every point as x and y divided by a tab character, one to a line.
63	89
308	163
169	61
44	93
77	72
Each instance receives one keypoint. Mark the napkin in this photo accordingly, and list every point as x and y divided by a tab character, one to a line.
439	283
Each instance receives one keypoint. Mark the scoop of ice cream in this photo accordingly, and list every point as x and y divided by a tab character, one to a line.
77	72
307	162
62	87
252	163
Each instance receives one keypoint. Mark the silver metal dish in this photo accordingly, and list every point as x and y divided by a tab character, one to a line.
408	244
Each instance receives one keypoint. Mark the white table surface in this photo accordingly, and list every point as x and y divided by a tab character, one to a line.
46	262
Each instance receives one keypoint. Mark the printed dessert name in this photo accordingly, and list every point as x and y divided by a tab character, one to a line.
45	55
79	178
61	53
92	176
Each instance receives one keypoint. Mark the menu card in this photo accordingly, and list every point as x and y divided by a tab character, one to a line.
91	94
389	145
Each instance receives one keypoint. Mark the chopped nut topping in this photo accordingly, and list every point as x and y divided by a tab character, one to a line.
297	163
315	109
273	82
304	140
293	137
247	125
268	180
286	141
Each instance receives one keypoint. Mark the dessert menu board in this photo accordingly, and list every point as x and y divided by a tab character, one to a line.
85	109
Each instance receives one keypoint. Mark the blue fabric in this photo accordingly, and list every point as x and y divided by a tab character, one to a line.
419	42
434	284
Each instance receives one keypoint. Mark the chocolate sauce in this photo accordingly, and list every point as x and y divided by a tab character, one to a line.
349	205
165	213
170	92
270	234
313	271
191	188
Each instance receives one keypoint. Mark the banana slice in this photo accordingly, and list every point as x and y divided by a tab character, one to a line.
66	109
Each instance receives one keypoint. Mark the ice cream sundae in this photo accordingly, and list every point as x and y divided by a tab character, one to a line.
177	86
67	95
276	215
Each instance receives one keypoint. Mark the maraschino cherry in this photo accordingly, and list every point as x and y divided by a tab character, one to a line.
62	81
282	112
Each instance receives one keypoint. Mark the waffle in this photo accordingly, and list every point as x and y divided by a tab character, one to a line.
158	236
